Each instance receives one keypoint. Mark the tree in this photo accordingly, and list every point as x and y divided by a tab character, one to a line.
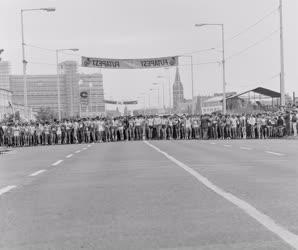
46	114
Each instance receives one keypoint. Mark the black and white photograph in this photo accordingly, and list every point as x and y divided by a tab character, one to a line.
148	124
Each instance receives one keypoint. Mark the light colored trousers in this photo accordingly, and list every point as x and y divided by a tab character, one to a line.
295	128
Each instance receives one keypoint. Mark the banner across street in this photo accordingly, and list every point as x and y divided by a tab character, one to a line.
144	63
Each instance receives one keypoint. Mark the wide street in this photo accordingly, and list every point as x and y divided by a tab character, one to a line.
151	195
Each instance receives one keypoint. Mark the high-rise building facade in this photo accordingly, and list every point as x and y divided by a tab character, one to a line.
7	107
93	86
43	92
178	94
70	82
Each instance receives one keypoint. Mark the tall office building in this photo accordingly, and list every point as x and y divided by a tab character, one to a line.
7	107
42	90
178	94
70	80
93	86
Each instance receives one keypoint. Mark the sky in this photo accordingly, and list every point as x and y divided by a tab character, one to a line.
156	28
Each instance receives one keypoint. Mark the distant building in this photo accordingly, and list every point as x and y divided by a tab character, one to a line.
4	74
5	103
7	108
213	104
185	107
178	94
42	89
93	85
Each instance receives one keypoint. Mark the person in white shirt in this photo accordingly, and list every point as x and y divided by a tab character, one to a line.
294	123
188	134
138	128
234	126
150	127
252	125
164	127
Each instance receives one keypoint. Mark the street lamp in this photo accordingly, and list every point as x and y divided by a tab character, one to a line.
282	66
23	52
224	109
58	79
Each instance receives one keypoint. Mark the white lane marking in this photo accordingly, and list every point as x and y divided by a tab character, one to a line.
37	172
12	152
78	151
274	153
245	148
84	148
57	163
213	143
7	189
227	146
70	155
89	146
265	220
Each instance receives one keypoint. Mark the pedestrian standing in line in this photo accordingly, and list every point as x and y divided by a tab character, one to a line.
294	123
243	126
204	124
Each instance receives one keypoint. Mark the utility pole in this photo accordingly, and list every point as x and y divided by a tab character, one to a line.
23	54
282	66
192	87
58	87
24	64
224	102
223	71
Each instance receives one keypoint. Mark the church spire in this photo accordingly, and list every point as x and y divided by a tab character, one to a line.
177	77
178	95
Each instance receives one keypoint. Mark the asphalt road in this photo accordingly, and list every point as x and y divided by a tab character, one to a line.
162	195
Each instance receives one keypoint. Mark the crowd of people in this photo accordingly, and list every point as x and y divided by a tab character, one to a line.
153	127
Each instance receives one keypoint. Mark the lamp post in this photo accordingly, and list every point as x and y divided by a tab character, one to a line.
282	65
224	108
23	52
58	79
